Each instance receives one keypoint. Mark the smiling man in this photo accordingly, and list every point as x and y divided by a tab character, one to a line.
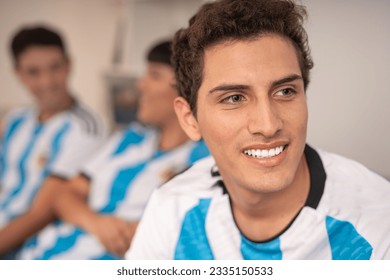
242	68
42	145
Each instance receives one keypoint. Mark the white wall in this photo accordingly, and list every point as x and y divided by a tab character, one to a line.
88	27
151	21
349	96
350	40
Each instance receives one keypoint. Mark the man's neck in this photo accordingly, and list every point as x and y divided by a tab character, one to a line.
171	136
47	113
267	215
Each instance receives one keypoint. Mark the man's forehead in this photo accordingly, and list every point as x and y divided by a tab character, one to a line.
39	53
158	65
273	55
235	43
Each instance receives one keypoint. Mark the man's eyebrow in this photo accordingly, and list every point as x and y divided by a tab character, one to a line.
226	87
287	79
238	87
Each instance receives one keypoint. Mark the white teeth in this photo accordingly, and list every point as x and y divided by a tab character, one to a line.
257	153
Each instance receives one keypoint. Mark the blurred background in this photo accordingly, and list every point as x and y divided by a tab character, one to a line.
348	97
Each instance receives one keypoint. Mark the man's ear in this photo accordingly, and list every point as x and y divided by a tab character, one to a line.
187	119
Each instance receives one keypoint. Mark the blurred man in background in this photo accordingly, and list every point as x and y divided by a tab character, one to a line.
101	207
43	145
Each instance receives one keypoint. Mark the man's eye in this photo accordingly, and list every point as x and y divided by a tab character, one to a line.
33	72
155	75
233	99
285	92
55	67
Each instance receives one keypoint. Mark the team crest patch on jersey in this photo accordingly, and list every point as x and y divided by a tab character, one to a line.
42	160
43	157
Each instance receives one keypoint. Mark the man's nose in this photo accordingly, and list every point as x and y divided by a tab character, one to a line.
264	119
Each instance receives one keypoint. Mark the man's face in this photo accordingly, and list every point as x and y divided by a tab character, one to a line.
252	112
44	71
157	93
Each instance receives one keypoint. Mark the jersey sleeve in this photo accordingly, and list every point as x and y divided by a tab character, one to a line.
97	161
72	151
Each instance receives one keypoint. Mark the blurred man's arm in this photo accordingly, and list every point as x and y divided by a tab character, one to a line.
71	206
37	217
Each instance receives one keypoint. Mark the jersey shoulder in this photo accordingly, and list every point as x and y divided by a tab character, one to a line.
18	113
351	184
195	181
87	121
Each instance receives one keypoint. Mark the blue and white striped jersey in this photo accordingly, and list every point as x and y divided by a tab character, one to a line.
32	150
345	217
123	176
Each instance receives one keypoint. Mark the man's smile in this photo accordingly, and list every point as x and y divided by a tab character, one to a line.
265	153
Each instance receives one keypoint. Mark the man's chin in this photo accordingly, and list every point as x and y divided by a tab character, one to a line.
267	188
270	183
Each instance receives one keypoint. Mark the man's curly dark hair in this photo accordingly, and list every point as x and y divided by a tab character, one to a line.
229	20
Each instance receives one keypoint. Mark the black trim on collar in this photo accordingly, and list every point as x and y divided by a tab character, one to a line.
317	177
214	171
221	185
